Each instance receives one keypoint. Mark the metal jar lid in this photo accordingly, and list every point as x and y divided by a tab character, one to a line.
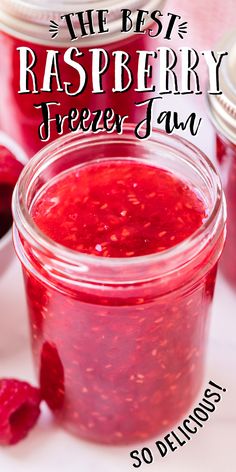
223	107
29	19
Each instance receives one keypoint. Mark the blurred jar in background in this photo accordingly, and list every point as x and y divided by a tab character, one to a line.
223	113
12	161
27	24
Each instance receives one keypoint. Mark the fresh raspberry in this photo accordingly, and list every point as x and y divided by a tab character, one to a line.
19	410
10	168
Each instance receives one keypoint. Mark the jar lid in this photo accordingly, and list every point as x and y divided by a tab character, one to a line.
223	107
29	19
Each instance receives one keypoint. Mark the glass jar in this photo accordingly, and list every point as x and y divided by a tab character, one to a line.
119	343
223	115
27	24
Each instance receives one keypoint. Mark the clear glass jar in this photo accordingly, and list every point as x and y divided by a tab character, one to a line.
223	114
27	24
119	343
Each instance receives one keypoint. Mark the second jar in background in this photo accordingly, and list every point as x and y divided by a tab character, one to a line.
223	112
27	25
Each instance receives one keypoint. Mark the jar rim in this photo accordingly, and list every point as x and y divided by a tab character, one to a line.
38	240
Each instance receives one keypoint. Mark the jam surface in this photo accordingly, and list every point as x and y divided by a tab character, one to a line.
118	209
118	364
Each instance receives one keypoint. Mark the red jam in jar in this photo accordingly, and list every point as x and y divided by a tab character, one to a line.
118	209
119	250
223	114
27	25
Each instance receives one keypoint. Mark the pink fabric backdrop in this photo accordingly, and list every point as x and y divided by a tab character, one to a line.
208	20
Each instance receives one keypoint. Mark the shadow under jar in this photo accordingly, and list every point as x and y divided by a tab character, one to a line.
26	24
223	114
119	342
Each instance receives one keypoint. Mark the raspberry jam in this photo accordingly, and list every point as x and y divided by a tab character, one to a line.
118	209
25	25
119	257
226	155
223	114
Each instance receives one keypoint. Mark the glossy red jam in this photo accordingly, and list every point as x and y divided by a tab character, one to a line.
119	362
21	120
226	154
118	209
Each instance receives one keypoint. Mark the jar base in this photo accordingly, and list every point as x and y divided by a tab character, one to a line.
120	440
